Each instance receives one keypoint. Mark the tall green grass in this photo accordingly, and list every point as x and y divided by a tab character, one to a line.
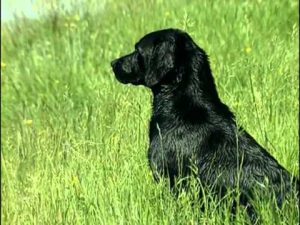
74	140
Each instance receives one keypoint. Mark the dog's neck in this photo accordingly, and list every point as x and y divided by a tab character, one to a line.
197	94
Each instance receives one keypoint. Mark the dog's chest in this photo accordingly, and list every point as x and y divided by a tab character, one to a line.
172	148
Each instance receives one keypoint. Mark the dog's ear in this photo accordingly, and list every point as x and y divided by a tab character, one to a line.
161	62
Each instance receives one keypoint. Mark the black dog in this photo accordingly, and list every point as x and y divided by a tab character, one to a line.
190	126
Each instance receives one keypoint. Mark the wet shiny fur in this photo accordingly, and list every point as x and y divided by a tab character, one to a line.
190	127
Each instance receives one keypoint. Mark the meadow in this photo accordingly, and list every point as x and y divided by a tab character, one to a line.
74	140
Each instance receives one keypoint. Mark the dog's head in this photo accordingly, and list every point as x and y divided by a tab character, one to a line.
157	58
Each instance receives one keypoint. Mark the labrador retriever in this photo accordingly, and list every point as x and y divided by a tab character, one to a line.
191	127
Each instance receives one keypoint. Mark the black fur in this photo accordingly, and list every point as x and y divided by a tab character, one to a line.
190	126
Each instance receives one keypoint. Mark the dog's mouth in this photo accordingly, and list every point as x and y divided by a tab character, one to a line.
129	81
139	82
125	78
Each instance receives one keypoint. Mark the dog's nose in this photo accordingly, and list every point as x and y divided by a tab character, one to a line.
114	62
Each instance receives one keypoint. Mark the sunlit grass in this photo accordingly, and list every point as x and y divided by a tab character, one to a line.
74	140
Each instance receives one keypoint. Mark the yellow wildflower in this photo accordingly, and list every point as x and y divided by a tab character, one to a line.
248	50
76	18
75	181
28	122
3	65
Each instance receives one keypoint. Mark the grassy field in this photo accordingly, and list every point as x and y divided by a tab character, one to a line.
74	140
